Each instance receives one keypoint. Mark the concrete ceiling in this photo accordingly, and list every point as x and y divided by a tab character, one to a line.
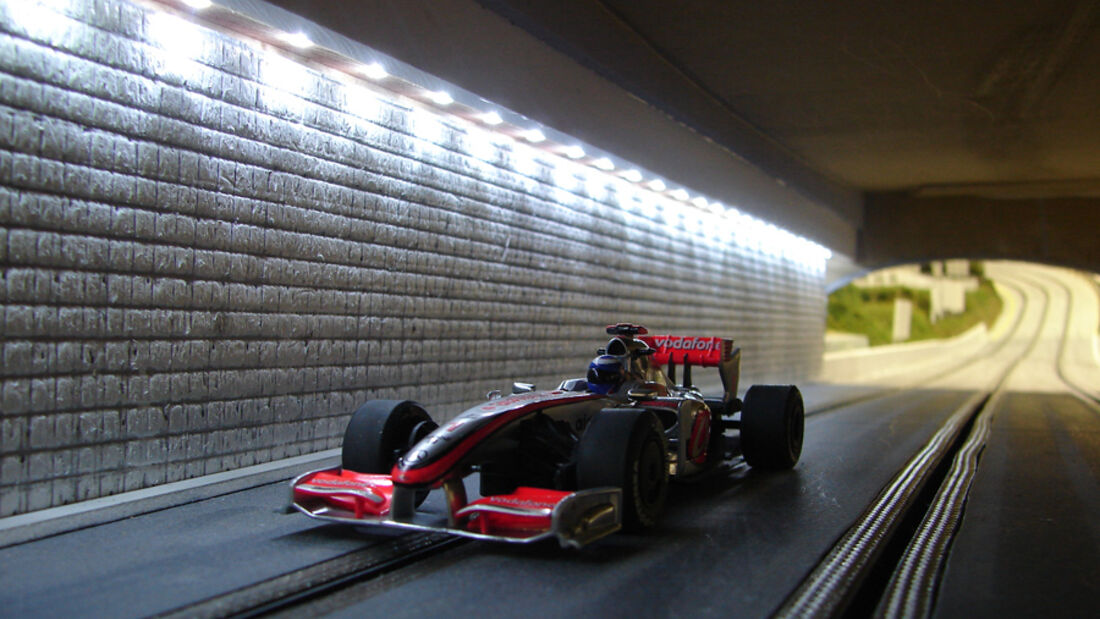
999	98
971	129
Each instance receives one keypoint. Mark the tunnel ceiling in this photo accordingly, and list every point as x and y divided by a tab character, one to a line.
993	98
913	124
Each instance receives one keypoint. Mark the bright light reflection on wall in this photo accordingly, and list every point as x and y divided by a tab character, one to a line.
718	227
523	161
362	104
564	177
742	231
182	42
287	80
426	126
647	206
595	187
43	20
480	144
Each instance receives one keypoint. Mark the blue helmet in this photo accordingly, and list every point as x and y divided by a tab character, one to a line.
605	374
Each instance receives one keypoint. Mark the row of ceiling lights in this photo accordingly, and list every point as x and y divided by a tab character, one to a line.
299	42
375	72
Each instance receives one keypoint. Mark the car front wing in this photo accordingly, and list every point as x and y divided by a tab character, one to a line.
524	516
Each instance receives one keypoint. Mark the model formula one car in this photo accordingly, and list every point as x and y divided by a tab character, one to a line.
576	463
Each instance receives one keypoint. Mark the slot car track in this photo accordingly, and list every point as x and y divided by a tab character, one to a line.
927	474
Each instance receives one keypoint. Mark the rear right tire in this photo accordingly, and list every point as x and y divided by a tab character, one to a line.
772	422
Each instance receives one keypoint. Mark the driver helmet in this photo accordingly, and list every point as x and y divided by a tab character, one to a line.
605	374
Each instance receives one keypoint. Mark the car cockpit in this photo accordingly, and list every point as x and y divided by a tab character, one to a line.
625	362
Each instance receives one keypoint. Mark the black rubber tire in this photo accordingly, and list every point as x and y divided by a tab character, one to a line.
626	448
380	432
772	423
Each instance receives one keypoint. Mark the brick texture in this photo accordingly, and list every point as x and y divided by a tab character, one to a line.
206	266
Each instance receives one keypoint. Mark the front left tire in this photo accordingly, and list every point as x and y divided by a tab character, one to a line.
626	448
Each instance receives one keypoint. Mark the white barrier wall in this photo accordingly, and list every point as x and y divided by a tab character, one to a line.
904	361
209	260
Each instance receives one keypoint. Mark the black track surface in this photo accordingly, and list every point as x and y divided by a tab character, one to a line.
1029	545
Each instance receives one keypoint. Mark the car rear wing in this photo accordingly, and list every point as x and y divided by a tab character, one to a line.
711	352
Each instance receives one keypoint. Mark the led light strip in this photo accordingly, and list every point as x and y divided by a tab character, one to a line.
710	215
598	168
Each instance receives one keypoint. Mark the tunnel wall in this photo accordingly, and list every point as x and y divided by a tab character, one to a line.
205	268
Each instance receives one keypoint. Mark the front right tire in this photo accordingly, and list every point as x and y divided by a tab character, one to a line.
380	432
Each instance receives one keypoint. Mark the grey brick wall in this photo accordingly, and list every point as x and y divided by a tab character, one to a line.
203	270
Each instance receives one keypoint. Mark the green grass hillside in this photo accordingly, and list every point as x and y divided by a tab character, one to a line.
870	311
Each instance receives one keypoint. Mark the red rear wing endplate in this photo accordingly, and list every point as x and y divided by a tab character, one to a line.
701	351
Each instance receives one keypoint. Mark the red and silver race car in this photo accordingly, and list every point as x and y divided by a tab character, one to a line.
575	463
